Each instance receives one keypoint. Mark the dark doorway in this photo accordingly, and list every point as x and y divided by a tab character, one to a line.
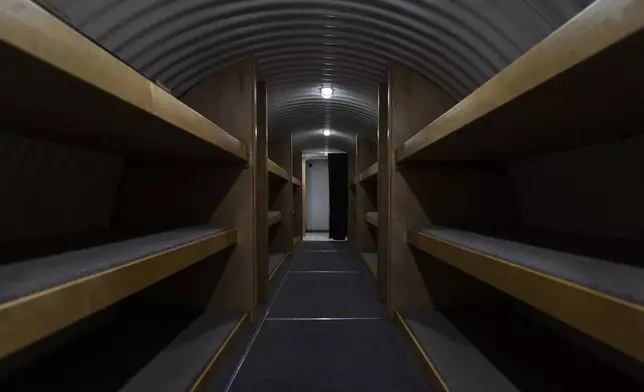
338	196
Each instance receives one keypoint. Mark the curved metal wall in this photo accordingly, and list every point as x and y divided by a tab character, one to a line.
302	44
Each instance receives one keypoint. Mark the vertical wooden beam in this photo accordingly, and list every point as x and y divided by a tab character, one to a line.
261	193
297	196
413	103
281	196
351	219
366	196
228	98
385	159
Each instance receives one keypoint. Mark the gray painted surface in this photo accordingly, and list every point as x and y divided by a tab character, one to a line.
301	44
317	195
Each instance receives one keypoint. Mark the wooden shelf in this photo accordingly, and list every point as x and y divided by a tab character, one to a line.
191	356
371	260
545	101
274	217
372	218
41	296
277	171
454	363
601	298
369	174
296	182
275	261
60	86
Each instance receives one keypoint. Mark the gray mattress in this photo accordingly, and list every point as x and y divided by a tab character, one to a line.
178	366
22	278
273	214
619	280
372	261
273	262
459	363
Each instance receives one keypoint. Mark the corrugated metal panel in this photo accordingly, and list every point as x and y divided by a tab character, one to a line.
303	44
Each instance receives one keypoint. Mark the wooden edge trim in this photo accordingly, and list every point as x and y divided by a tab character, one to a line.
601	25
371	219
28	319
590	311
224	346
371	271
275	220
279	265
370	172
278	171
28	27
436	380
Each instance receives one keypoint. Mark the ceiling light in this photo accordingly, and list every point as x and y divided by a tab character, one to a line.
326	92
327	132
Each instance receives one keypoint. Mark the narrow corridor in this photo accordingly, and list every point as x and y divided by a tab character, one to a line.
324	330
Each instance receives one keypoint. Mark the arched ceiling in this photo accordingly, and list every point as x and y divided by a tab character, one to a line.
303	44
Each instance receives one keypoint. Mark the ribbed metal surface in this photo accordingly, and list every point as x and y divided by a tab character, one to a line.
302	44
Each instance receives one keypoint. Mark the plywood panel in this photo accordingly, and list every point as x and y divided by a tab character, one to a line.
384	191
413	103
297	196
366	195
281	195
229	99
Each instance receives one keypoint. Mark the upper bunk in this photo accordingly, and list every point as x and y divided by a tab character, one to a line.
60	86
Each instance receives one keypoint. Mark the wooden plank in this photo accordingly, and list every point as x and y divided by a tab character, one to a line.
96	99
609	319
281	195
549	85
436	380
413	102
371	218
261	194
274	217
366	195
217	360
229	97
296	182
278	266
369	174
26	320
297	196
385	165
278	171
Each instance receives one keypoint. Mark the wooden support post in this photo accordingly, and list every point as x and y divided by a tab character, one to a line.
366	196
228	98
352	214
280	196
298	163
385	167
413	103
261	194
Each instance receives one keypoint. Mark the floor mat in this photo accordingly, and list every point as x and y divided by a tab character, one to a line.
359	355
325	261
327	295
325	245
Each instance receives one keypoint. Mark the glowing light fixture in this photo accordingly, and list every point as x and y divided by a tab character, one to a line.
327	132
326	92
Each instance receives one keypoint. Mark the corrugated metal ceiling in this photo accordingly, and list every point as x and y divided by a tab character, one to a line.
302	44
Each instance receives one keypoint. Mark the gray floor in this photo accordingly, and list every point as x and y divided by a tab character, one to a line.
325	330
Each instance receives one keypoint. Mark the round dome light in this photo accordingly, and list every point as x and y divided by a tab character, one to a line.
326	92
